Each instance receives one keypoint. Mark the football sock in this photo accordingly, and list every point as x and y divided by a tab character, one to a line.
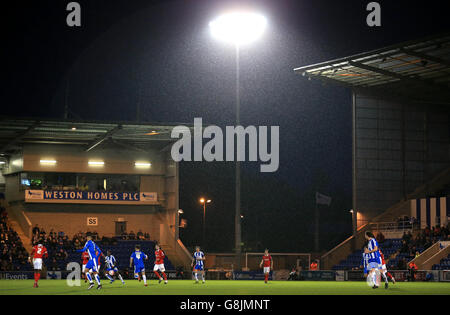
203	277
88	275
97	278
384	277
109	277
120	277
164	276
374	278
157	274
145	279
196	276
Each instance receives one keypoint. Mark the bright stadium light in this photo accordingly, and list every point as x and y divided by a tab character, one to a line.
47	162
143	164
96	163
238	28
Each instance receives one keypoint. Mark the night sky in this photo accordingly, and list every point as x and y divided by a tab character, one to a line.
160	54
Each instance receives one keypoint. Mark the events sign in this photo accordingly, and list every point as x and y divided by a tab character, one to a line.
71	196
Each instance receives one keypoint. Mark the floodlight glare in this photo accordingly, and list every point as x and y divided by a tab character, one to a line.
238	28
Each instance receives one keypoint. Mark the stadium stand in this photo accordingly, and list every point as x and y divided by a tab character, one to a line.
443	265
61	249
398	252
13	255
353	261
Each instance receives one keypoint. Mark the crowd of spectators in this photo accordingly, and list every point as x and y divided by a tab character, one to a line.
138	236
406	222
59	244
423	240
59	240
12	253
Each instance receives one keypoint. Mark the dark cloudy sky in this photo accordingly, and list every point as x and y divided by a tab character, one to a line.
160	54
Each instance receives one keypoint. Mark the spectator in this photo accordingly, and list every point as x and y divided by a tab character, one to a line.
412	268
314	266
61	255
36	230
293	275
380	237
401	264
179	273
53	266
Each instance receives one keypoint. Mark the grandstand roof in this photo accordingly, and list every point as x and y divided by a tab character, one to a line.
418	70
15	132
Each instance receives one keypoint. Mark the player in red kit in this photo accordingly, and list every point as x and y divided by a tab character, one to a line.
384	271
39	251
159	264
85	259
267	263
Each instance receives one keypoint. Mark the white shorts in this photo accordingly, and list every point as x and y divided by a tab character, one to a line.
373	265
266	269
159	267
383	267
37	263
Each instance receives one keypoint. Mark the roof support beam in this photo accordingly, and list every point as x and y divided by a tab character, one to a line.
413	81
426	57
129	146
107	135
20	136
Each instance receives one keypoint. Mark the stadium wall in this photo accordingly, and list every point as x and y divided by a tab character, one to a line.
72	219
400	145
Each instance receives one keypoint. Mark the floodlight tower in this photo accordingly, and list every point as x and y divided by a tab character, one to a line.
238	29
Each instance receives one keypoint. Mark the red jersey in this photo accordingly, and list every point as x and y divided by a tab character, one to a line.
267	260
159	257
99	261
39	251
383	262
85	258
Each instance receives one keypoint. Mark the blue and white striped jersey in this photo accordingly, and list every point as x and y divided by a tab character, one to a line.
91	248
371	246
198	256
365	260
110	261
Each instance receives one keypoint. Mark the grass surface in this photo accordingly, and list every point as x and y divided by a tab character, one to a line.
187	287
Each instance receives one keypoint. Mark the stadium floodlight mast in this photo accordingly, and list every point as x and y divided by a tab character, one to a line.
238	29
203	201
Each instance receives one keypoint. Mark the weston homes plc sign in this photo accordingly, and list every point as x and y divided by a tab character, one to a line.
100	197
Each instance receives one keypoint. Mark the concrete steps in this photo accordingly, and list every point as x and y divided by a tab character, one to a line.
25	239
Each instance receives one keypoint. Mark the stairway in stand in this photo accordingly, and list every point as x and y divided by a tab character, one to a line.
26	241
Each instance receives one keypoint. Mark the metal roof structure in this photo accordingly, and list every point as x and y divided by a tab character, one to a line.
14	132
418	70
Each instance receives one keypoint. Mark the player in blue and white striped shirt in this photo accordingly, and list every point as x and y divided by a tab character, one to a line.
374	259
137	258
199	258
365	262
111	269
92	265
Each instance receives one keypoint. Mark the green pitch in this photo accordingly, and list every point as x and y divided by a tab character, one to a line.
187	287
